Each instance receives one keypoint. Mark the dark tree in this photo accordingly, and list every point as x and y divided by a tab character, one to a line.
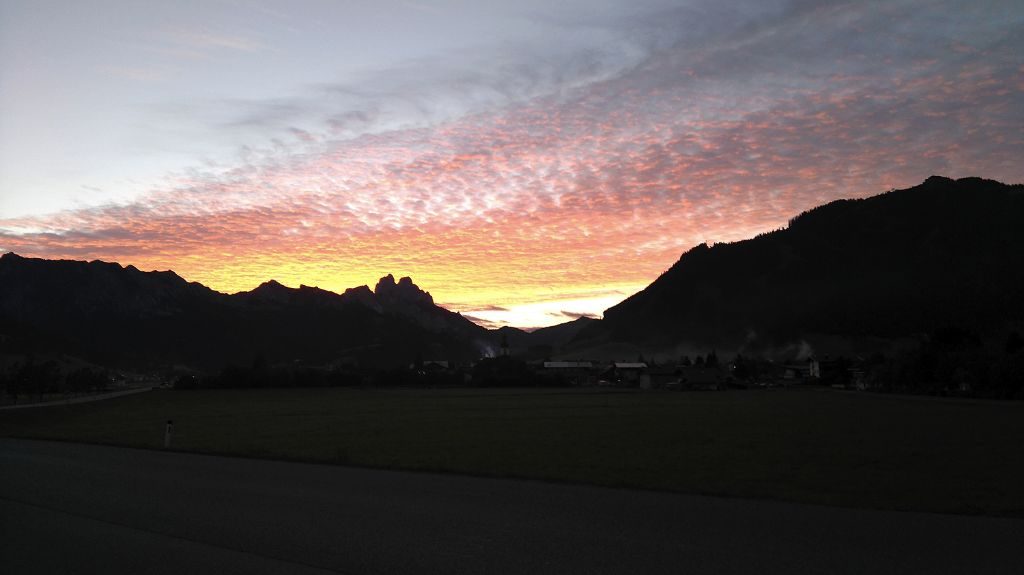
740	369
36	378
86	379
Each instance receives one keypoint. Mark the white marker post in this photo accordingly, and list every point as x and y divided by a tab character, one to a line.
167	433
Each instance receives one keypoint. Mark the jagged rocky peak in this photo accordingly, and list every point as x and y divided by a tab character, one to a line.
363	295
361	291
403	290
385	283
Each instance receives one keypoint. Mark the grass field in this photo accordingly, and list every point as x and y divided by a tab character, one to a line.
814	446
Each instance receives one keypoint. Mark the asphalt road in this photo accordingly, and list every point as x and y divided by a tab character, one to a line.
73	400
67	508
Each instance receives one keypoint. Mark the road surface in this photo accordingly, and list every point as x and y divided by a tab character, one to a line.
79	399
68	508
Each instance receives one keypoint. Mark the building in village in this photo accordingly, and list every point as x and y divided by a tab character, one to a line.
628	374
572	372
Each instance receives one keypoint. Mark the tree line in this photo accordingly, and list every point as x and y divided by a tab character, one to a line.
31	377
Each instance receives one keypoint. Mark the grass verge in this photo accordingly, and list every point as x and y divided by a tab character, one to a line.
812	446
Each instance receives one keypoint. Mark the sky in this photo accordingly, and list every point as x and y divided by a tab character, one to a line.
527	162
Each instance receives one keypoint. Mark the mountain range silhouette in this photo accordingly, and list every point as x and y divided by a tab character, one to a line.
870	271
114	314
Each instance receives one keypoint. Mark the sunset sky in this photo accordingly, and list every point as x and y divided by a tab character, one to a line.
524	161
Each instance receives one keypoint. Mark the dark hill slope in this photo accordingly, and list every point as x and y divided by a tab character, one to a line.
541	343
902	263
